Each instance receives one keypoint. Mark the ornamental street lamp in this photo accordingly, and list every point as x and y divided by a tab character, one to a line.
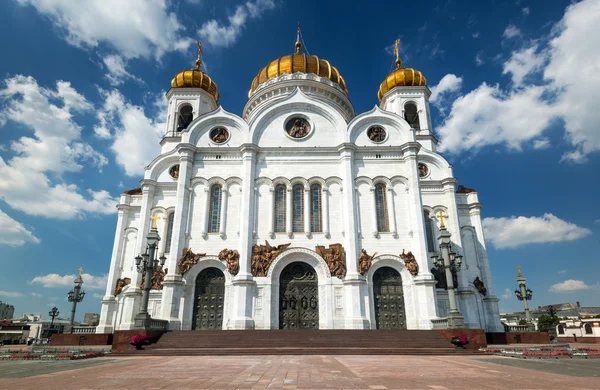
524	294
147	262
449	262
75	296
53	314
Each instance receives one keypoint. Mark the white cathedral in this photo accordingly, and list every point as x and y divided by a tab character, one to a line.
299	213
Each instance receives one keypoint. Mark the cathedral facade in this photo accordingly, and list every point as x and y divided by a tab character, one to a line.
299	213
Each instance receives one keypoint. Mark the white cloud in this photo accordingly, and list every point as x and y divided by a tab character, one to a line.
51	304
117	72
225	35
516	231
542	143
569	286
37	295
10	294
479	60
448	85
562	271
55	148
135	136
97	296
56	280
507	293
134	28
523	63
475	34
12	233
525	11
568	90
511	31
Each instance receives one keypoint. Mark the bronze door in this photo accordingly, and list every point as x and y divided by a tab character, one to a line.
298	297
389	299
208	300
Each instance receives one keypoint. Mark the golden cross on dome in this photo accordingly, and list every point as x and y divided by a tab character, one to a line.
80	271
199	60
441	216
397	53
298	43
154	218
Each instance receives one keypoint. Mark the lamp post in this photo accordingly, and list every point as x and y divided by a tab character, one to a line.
53	314
524	294
147	262
75	296
449	262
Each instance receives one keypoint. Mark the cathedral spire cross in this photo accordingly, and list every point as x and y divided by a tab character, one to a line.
397	53
199	60
519	270
441	216
298	43
154	219
80	271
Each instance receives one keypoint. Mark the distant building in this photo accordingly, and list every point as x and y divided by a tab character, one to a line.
6	311
91	319
572	311
13	333
42	328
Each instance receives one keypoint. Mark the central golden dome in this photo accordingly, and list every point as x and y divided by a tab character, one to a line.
298	62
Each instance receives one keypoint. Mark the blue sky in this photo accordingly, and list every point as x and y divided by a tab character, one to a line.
515	91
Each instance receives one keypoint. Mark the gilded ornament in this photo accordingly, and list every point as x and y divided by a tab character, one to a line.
335	257
401	76
365	261
121	283
263	256
188	260
231	259
196	78
154	219
410	262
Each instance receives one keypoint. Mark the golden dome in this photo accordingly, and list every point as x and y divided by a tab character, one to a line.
298	62
195	78
401	77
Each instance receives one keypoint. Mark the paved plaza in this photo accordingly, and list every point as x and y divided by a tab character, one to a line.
303	372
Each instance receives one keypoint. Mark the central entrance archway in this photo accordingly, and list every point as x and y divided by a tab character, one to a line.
389	299
298	297
208	300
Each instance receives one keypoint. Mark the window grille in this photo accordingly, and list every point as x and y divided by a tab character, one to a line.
315	209
169	232
279	212
214	214
381	208
411	115
298	208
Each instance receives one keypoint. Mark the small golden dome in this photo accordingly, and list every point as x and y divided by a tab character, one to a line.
298	62
401	77
195	78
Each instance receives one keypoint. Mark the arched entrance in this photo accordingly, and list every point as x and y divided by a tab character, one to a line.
298	297
389	299
209	299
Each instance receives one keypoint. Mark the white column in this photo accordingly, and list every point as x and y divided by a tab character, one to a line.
204	212
307	211
325	210
288	212
223	212
173	287
271	213
374	211
391	211
243	283
453	226
354	283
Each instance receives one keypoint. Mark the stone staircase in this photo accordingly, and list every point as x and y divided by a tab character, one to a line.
299	342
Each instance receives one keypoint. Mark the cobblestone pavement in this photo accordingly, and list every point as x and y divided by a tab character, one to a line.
303	372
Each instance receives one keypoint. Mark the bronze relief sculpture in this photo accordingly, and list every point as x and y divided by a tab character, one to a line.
376	134
174	171
365	261
157	278
188	260
410	262
297	127
219	135
423	170
263	256
121	283
335	257
231	259
479	286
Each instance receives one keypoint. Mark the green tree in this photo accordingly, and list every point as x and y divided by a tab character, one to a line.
522	322
546	323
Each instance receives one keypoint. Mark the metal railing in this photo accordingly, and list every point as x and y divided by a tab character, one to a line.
84	329
156	324
440	323
521	328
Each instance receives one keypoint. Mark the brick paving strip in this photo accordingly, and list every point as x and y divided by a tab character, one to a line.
298	372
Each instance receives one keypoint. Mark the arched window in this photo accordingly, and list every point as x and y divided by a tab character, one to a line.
429	232
169	237
561	329
381	209
588	329
315	209
184	117
279	212
298	208
214	214
412	116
